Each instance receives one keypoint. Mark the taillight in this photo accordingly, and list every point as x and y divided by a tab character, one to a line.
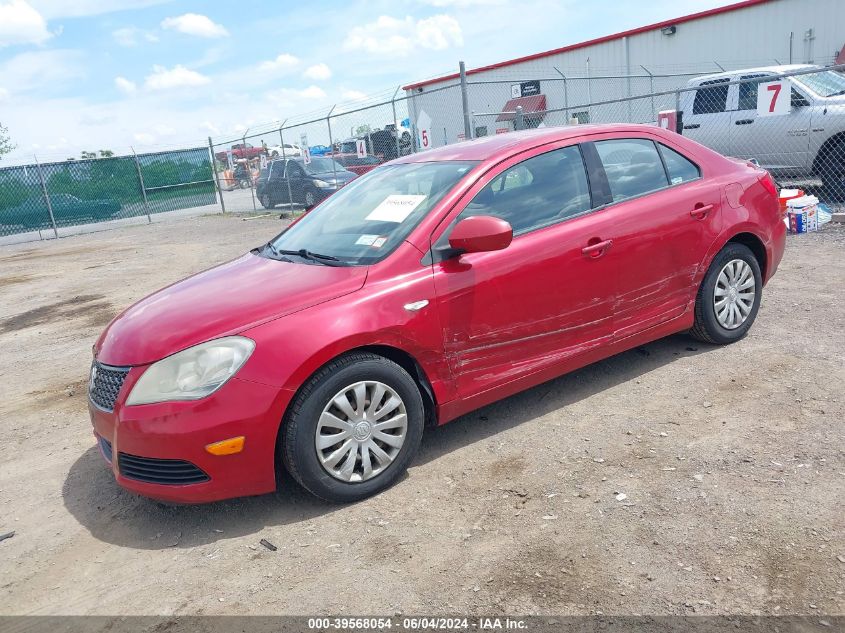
769	184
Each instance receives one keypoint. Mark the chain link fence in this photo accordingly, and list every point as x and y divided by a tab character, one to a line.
51	199
291	165
297	163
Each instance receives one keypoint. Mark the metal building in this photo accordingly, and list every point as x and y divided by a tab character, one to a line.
640	61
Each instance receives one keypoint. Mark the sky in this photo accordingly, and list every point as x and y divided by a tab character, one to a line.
153	74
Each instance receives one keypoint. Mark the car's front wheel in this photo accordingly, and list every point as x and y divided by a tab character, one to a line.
266	202
310	199
729	296
353	428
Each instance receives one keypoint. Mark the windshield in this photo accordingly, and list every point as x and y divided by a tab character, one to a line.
322	166
826	84
367	219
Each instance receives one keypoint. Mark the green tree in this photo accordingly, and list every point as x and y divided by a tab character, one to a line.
361	130
106	153
87	155
6	145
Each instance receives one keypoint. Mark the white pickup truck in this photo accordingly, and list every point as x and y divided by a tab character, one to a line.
806	142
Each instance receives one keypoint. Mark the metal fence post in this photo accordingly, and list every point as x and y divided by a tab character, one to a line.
143	187
285	160
331	144
678	121
216	175
651	84
519	119
565	94
465	101
47	198
249	171
395	122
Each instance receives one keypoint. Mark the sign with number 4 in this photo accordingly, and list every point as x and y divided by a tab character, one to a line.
773	98
361	146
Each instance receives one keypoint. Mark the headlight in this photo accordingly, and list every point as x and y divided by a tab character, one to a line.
192	373
322	184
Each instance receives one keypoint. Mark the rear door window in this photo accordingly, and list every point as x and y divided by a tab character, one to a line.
711	96
633	167
748	91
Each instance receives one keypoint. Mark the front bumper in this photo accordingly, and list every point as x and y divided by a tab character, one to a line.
152	434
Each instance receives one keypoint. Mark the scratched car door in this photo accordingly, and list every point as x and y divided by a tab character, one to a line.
543	299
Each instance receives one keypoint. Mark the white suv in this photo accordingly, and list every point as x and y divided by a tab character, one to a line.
807	142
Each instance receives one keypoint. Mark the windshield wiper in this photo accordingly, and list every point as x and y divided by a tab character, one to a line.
328	260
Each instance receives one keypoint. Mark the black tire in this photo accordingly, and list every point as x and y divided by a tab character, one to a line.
244	184
266	202
832	173
707	327
310	199
297	439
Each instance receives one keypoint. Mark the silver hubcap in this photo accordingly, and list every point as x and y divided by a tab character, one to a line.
361	431
733	296
309	198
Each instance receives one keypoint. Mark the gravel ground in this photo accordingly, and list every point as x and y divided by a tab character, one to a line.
677	478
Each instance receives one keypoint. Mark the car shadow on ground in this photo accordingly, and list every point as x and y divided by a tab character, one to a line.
116	516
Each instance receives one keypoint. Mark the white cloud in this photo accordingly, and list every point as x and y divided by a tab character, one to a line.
52	9
42	69
130	36
283	62
4	95
292	97
318	72
353	95
21	24
395	37
125	86
144	138
195	24
176	77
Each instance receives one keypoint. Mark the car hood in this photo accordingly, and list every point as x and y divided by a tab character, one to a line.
221	301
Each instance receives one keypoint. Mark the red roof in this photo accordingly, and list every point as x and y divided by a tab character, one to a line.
598	40
534	103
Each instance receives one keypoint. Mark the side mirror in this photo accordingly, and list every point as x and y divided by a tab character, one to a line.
480	234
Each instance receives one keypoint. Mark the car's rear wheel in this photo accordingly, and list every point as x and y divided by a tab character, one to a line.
310	199
353	428
729	296
266	202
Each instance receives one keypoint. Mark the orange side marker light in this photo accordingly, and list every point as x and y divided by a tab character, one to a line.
227	447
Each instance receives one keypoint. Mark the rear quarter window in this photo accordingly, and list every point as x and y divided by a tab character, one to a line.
680	168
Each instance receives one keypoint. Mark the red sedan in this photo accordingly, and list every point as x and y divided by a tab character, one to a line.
433	285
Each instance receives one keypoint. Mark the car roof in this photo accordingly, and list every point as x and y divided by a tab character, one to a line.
776	70
503	145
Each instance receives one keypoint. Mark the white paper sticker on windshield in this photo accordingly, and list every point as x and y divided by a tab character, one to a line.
395	208
379	242
367	240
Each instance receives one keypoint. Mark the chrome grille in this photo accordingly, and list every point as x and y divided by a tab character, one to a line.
105	384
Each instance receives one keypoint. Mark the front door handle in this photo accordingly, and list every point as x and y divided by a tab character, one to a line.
692	126
743	121
597	249
701	210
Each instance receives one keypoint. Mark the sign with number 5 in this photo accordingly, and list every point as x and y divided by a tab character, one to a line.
773	98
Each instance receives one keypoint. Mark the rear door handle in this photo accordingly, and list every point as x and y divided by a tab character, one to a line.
744	122
701	210
594	251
